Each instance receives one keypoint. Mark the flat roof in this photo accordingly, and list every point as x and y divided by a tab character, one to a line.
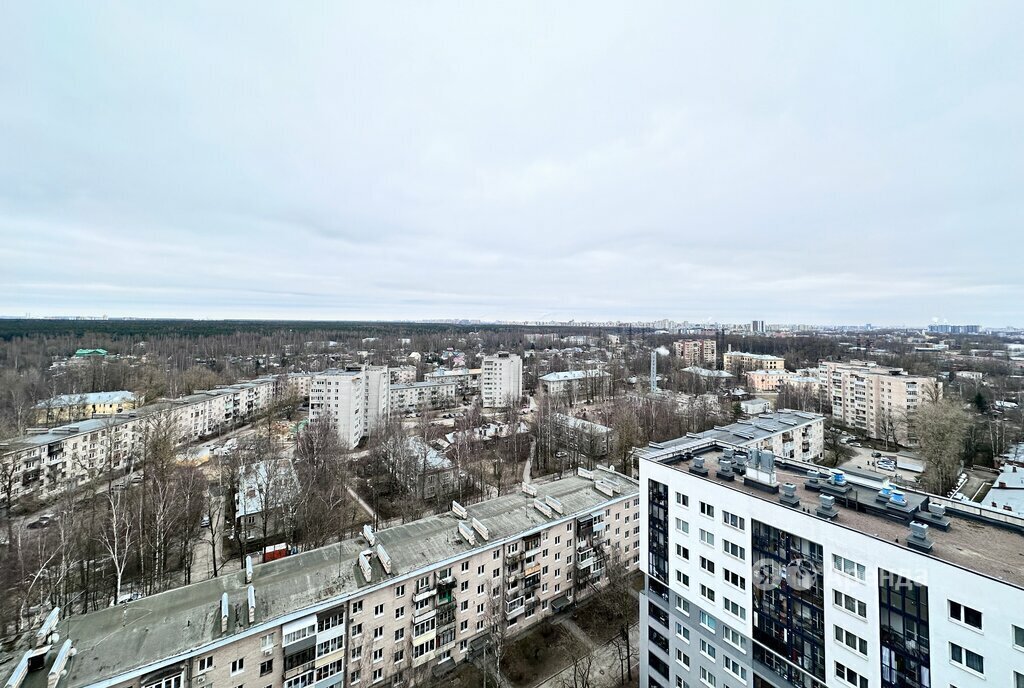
139	636
762	357
62	400
971	543
740	433
417	385
572	375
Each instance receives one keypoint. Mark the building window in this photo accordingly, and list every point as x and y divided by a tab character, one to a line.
238	666
707	593
682	500
734	579
682	552
966	658
1018	637
965	615
734	638
733	520
357	607
852	641
707	565
205	663
848	567
399	656
707	510
734	608
850	676
708	621
400	591
682	526
708	650
707	537
850	604
266	667
734	668
707	678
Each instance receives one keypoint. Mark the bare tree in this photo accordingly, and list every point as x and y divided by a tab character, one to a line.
118	534
941	429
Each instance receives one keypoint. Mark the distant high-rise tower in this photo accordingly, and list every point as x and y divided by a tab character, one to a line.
757	326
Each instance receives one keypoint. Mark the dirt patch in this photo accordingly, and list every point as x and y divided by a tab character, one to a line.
466	675
536	655
601	618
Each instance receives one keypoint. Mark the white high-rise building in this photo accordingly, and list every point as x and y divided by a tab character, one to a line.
762	571
355	400
501	381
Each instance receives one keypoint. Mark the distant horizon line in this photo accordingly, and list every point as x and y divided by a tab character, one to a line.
524	322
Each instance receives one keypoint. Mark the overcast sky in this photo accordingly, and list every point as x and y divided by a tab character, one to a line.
792	162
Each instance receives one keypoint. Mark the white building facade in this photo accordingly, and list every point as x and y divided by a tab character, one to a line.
501	379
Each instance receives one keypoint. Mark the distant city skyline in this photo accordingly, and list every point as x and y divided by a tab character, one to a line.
809	164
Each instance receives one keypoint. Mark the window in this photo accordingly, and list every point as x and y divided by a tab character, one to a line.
850	604
682	552
682	526
465	566
683	659
734	579
844	673
357	607
400	591
1018	680
707	678
848	567
378	675
708	621
852	641
1018	637
378	610
708	650
399	634
708	538
734	608
480	570
965	615
707	510
734	668
734	638
328	646
495	554
357	630
378	633
733	520
238	666
707	565
357	652
400	612
734	550
399	656
707	593
329	621
205	663
378	655
354	677
682	605
266	667
966	658
682	500
682	632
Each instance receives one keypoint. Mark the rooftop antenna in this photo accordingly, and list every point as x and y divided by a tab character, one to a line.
654	371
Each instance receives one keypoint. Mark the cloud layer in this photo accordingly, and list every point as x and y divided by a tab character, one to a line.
787	162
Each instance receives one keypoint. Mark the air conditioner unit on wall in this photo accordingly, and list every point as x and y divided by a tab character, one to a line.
267	651
201	680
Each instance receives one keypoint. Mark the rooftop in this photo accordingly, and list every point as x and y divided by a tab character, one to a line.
740	432
134	638
580	424
707	372
87	398
973	542
419	385
760	357
572	375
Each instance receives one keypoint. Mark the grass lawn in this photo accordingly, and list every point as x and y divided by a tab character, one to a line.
536	655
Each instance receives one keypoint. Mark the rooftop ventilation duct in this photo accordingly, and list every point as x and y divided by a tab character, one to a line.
369	534
724	471
384	557
555	505
529	489
918	538
697	467
812	478
604	488
248	568
224	613
584	473
542	507
935	516
49	624
250	597
364	565
827	508
466	531
19	673
459	510
788	496
481	529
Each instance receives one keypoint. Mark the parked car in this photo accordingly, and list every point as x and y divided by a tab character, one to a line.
876	455
886	465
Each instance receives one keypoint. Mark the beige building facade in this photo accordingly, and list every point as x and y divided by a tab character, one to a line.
874	399
387	609
697	352
740	360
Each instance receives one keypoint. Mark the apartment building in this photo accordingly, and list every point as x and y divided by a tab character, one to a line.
767	381
771	573
65	408
402	375
354	399
583	437
797	435
466	380
875	400
46	460
388	608
696	352
576	384
417	396
741	361
501	379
